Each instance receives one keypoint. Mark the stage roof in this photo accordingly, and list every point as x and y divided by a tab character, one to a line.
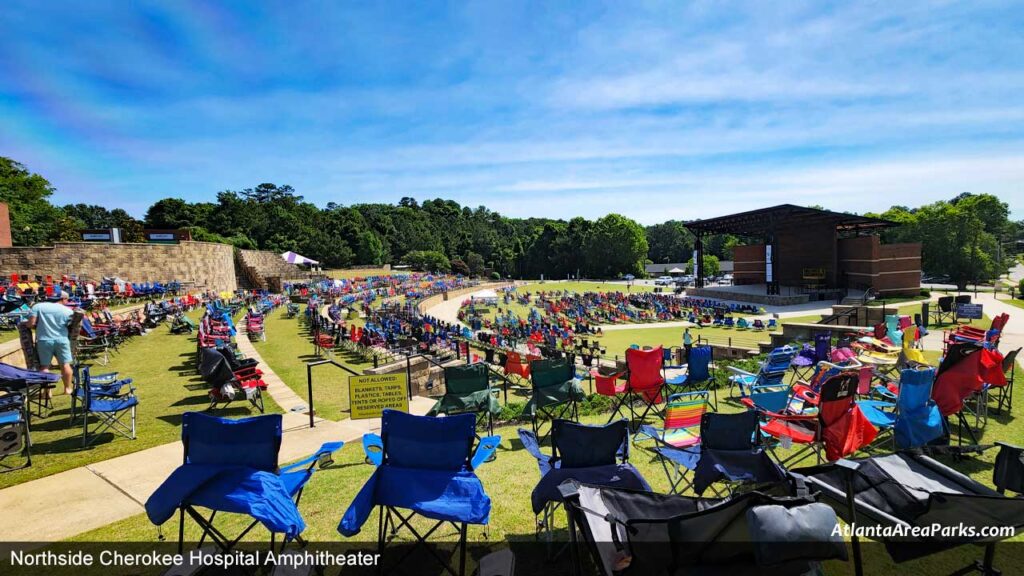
762	221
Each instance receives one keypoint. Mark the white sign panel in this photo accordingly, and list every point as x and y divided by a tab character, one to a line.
768	263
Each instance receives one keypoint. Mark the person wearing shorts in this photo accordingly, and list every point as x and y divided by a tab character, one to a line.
50	321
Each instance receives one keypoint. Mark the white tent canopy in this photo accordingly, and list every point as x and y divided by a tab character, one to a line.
293	258
676	271
485	295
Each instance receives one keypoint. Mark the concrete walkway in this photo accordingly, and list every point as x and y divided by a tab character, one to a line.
63	505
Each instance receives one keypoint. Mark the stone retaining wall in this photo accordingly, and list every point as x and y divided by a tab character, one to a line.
209	265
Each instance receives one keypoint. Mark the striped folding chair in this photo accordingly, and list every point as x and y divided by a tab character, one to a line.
677	443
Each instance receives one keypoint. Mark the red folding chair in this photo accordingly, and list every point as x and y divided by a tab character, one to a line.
644	382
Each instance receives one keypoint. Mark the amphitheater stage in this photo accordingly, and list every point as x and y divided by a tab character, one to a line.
755	293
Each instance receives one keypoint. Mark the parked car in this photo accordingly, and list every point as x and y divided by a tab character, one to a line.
663	281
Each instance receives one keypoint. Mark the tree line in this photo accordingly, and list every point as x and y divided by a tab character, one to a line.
962	238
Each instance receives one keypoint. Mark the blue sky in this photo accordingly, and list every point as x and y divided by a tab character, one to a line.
656	110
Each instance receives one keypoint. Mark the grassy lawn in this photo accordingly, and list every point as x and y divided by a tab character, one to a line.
509	481
597	286
289	347
167	384
1014	302
363	273
618	340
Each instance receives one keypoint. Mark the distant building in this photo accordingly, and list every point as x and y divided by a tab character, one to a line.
724	266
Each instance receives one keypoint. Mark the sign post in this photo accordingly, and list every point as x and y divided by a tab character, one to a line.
969	311
369	395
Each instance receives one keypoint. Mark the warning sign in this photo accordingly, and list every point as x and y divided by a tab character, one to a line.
370	395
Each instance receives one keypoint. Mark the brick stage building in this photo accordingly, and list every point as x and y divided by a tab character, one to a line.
797	253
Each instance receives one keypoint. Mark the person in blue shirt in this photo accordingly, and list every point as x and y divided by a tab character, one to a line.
50	321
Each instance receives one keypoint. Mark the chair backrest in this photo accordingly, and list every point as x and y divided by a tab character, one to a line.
837	394
426	442
253	442
466	379
771	397
1009	359
915	389
729	431
779	360
945	303
685	410
698	366
822	345
583	446
644	368
963	299
551	372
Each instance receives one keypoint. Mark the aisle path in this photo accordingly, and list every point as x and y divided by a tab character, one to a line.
63	505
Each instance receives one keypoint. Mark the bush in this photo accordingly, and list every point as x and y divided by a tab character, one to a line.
926	293
1020	289
495	276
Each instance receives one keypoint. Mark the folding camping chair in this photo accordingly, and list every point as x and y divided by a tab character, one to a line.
15	437
643	382
555	392
594	454
698	374
902	491
467	388
108	406
231	466
782	532
1003	394
516	366
944	308
107	385
965	369
834	428
908	416
772	371
426	468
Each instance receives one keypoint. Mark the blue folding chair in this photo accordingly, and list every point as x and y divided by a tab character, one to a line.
426	467
771	372
108	406
231	466
698	374
107	385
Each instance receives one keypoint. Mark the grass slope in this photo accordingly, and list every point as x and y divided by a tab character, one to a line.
167	384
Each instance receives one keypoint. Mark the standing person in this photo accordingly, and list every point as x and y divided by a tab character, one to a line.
50	321
687	343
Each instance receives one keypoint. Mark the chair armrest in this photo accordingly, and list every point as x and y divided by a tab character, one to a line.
740	372
486	448
371	441
532	446
326	449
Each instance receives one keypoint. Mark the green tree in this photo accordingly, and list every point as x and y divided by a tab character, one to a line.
34	221
616	245
369	248
475	262
711	266
669	242
427	261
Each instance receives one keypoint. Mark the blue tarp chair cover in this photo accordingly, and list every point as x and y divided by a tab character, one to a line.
12	377
231	466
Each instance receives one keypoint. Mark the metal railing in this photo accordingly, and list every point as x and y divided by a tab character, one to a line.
309	382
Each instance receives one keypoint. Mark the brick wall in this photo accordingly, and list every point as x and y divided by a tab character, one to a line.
5	227
807	246
208	265
748	264
891	269
264	268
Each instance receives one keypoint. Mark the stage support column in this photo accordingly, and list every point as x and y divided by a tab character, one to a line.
698	266
771	270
